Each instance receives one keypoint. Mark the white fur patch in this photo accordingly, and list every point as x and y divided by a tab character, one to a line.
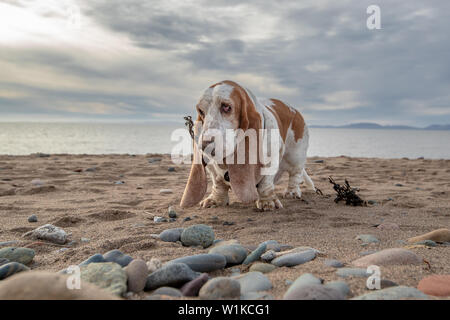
223	90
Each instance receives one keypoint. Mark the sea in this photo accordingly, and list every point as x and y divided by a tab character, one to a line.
20	138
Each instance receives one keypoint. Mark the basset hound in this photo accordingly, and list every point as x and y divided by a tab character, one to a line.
227	106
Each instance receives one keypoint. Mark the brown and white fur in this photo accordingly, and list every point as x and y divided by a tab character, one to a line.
227	105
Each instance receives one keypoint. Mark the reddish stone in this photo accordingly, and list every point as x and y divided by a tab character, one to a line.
436	285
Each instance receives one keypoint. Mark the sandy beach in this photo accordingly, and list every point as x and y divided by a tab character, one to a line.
111	200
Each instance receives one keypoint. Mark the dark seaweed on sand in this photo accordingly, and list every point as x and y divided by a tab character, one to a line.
347	194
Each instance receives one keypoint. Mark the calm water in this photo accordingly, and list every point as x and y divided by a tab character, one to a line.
90	138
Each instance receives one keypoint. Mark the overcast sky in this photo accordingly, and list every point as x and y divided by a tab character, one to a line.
151	60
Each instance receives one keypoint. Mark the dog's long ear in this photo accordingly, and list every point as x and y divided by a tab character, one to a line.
243	177
197	183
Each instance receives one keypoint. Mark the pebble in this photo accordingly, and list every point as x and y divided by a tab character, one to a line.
171	169
268	256
199	234
393	256
187	219
153	160
352	272
440	235
220	242
48	232
255	254
393	293
220	288
428	243
367	238
340	286
119	182
159	219
191	288
43	285
333	263
32	218
172	213
20	255
233	253
314	292
385	283
118	257
165	191
172	219
8	243
253	281
168	291
171	235
294	259
205	262
262	267
92	169
137	273
96	258
306	279
11	268
154	264
173	274
435	285
108	275
37	182
257	296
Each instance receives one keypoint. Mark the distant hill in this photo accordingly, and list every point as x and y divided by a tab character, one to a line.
370	125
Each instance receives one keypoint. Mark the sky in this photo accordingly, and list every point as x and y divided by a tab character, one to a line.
136	60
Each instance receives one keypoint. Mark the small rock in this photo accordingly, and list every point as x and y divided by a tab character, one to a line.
173	274
314	292
84	240
440	235
398	185
268	256
256	254
159	219
8	243
153	160
42	285
168	291
172	213
92	169
340	286
11	268
171	169
37	182
253	281
107	275
187	219
220	288
435	285
191	288
428	243
352	272
333	263
96	258
262	267
171	235
228	223
367	238
372	202
294	259
153	265
220	242
306	279
172	219
393	256
257	296
198	234
48	232
202	262
319	161
32	218
385	283
393	293
119	182
20	255
165	191
137	273
233	253
118	257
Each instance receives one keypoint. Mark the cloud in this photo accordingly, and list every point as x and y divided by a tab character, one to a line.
140	59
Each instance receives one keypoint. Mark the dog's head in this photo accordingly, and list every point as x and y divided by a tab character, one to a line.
224	107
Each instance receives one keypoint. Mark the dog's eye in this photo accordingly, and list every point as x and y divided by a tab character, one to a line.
225	108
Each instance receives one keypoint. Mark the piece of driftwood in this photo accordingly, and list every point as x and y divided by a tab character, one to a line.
347	194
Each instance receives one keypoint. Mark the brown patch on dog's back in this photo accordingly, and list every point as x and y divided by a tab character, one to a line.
287	117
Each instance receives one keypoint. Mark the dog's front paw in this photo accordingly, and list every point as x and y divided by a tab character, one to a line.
268	205
292	194
212	202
